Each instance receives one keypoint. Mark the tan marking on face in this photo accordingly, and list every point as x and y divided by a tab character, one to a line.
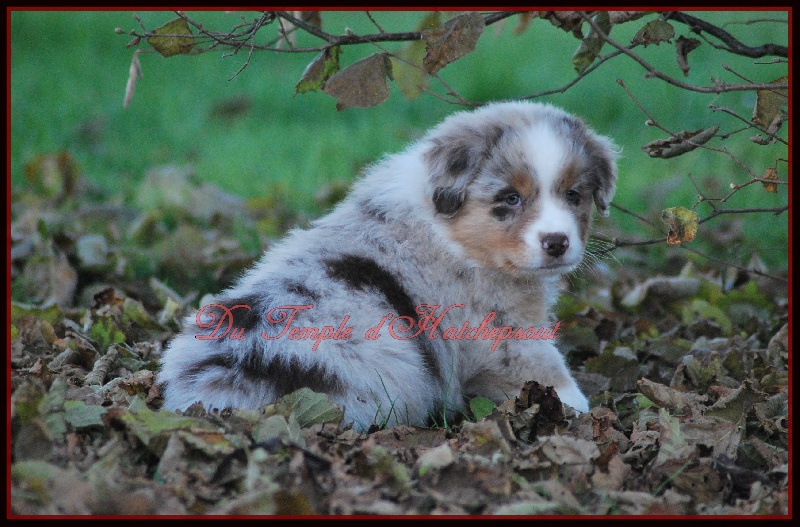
568	177
492	242
573	177
523	182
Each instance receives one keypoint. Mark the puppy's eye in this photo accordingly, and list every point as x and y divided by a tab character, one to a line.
514	200
573	197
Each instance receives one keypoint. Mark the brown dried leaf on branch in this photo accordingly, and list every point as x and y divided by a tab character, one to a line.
361	84
654	32
569	21
452	40
767	111
173	43
771	174
590	46
684	46
682	224
679	143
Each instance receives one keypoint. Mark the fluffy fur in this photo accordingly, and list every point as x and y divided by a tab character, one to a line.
487	211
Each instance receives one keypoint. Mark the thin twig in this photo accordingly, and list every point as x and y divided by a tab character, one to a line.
638	217
573	82
750	124
773	61
616	243
718	212
776	92
754	21
369	15
251	38
734	132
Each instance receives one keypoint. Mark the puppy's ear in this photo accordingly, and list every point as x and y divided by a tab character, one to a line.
604	164
454	159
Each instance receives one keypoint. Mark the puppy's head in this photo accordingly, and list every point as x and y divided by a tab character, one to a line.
514	185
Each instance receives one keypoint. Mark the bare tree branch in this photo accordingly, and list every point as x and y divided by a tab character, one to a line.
732	45
754	21
718	212
719	87
352	39
372	19
750	124
576	80
658	228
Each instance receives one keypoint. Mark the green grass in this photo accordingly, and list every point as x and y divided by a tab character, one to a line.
69	69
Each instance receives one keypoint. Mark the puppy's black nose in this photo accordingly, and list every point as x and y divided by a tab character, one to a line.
555	243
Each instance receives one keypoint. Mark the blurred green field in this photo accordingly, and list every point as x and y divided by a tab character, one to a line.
69	69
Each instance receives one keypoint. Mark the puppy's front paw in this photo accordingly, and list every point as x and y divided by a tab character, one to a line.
572	396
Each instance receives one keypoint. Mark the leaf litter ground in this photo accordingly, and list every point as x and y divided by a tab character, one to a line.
687	376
